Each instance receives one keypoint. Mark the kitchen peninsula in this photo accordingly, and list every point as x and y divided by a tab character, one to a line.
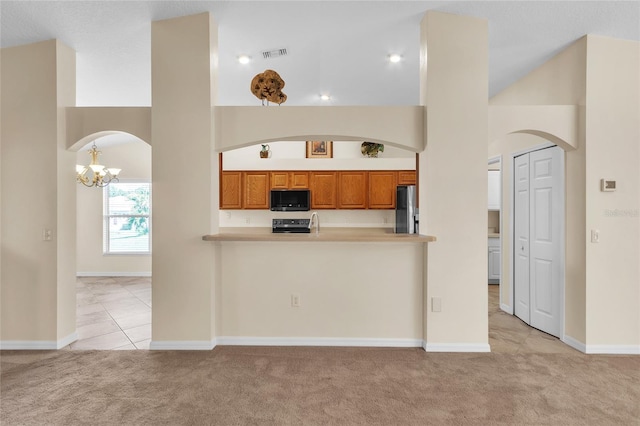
339	287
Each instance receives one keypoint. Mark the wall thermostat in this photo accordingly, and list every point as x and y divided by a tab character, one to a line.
607	185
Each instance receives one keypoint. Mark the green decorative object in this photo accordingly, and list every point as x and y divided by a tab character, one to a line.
371	149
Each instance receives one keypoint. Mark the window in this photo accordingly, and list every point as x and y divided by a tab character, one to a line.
127	206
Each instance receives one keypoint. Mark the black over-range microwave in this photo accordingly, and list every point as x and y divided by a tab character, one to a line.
290	200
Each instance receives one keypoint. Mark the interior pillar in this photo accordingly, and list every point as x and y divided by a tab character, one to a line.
453	180
184	182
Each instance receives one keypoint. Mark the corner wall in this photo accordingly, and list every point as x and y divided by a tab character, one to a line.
38	193
613	152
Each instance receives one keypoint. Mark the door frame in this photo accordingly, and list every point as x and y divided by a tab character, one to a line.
493	160
510	309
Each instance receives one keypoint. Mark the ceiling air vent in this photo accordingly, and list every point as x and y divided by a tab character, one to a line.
268	54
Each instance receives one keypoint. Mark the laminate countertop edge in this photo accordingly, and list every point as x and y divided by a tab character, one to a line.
364	235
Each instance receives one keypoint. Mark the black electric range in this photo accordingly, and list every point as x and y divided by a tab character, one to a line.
291	226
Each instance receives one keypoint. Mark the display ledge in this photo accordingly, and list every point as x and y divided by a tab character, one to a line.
365	235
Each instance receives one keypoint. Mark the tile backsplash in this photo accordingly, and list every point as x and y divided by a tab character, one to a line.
329	218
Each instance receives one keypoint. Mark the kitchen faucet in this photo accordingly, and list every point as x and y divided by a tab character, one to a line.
315	214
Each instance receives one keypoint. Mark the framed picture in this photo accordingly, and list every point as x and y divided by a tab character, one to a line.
319	149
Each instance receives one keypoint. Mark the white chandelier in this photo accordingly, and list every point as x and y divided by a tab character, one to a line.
101	177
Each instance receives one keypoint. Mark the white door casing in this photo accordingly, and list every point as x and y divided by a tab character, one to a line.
521	237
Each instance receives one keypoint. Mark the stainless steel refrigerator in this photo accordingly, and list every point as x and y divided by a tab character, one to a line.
406	211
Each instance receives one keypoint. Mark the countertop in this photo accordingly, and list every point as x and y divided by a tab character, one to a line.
494	235
327	234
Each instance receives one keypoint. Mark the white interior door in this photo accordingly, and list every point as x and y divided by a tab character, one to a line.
546	217
538	239
521	237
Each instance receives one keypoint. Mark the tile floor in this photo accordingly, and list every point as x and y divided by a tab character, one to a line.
115	313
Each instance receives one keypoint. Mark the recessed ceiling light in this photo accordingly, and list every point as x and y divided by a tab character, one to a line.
395	58
325	97
244	59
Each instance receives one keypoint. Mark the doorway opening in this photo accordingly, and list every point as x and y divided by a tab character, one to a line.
113	260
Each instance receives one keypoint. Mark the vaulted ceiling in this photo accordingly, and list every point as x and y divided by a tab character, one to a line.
338	48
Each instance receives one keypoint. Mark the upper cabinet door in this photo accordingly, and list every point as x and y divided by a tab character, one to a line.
352	190
299	180
323	186
279	180
382	190
493	190
231	190
256	190
407	177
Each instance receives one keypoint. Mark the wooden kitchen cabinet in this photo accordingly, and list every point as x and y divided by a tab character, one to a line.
407	177
323	186
352	190
231	190
256	190
289	180
382	190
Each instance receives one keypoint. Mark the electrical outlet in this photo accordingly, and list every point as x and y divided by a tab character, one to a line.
436	304
595	236
295	300
47	234
247	220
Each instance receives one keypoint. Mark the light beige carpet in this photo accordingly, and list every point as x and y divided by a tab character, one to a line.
317	386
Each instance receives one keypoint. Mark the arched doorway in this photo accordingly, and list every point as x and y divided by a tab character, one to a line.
507	148
113	258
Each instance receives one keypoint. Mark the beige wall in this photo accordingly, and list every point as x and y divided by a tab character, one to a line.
558	84
38	192
401	126
346	290
613	151
134	158
84	123
600	76
453	178
185	182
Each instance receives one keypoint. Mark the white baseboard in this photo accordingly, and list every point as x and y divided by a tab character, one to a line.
613	349
457	347
113	274
182	345
506	308
38	345
318	341
65	341
575	344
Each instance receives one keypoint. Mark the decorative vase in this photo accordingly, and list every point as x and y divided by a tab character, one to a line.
371	149
264	152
